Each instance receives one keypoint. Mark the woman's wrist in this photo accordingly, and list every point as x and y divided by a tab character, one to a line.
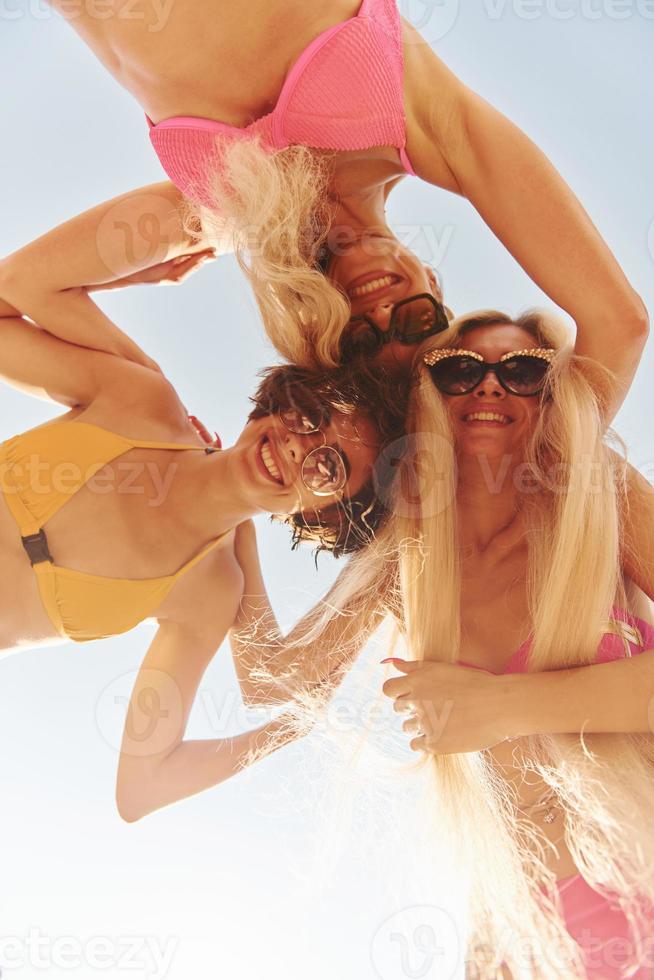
533	701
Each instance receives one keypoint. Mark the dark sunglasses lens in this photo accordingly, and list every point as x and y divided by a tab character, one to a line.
359	340
456	375
524	375
417	320
323	471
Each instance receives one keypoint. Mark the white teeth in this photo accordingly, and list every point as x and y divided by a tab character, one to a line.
487	417
269	462
370	287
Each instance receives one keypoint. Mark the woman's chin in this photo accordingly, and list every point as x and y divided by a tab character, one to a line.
490	445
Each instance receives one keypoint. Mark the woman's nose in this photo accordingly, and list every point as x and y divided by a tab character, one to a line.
299	444
381	314
489	386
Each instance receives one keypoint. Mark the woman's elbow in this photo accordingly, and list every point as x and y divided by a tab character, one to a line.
128	811
263	699
132	800
637	317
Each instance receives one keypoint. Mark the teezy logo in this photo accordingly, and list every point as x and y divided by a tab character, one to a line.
141	713
433	19
135	233
420	943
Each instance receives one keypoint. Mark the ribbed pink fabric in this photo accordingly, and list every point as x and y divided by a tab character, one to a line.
345	92
603	934
612	647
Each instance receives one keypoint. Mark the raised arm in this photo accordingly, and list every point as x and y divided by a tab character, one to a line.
273	668
157	766
637	537
38	364
138	237
460	142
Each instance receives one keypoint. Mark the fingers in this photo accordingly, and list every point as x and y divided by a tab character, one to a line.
412	726
406	666
183	265
403	704
419	744
396	687
201	429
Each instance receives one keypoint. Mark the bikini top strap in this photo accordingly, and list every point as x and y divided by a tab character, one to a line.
198	558
628	633
147	444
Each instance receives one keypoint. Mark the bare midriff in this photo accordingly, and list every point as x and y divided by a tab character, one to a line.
217	60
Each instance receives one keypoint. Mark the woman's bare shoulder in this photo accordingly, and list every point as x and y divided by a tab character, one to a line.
140	395
207	598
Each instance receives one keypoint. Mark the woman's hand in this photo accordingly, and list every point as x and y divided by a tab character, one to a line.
50	280
170	272
203	432
451	708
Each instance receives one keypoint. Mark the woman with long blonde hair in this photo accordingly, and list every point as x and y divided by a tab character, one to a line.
285	126
511	576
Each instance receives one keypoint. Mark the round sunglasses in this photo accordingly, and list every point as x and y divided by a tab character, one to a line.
324	471
413	320
458	372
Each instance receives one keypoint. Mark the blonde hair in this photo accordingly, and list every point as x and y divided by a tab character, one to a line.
273	209
603	782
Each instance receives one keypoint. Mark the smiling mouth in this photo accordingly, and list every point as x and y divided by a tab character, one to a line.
372	284
487	418
268	462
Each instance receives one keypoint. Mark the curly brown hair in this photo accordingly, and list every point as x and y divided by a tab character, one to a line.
350	524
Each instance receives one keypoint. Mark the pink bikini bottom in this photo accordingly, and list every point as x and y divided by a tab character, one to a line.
602	931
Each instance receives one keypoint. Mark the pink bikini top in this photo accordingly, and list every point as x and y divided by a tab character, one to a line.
626	635
345	92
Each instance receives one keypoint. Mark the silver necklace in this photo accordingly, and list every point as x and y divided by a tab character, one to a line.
548	800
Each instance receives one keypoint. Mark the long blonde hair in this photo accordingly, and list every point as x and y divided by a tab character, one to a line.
603	782
274	210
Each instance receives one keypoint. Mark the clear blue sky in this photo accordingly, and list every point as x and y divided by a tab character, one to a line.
222	884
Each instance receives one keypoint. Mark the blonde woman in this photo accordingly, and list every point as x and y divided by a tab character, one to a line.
285	125
522	680
117	511
529	563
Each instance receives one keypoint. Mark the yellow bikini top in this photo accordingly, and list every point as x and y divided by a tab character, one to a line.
40	470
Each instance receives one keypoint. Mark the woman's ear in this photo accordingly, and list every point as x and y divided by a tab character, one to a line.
434	283
437	290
